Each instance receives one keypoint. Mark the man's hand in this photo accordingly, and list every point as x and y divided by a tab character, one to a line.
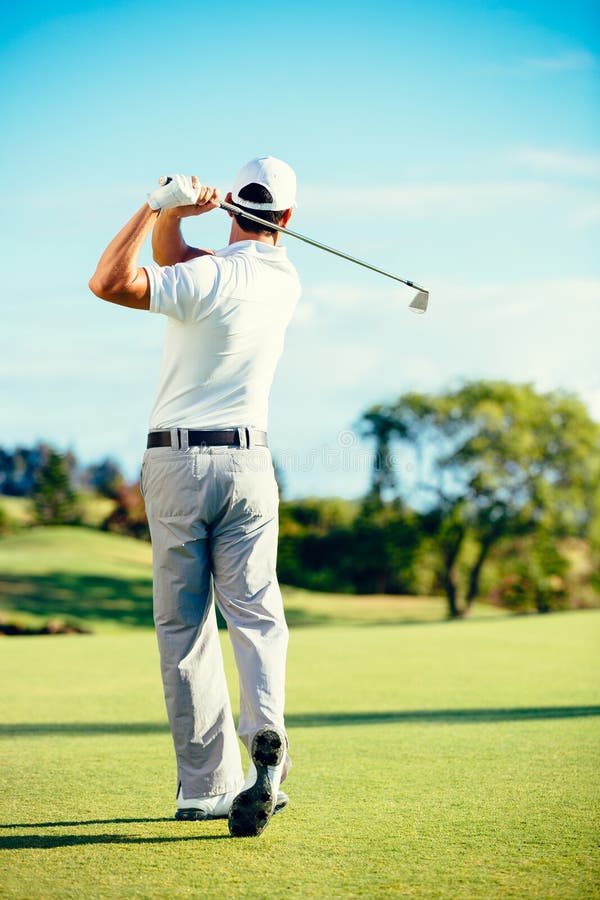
207	200
178	191
184	194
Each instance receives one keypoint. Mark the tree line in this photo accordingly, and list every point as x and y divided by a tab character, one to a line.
489	490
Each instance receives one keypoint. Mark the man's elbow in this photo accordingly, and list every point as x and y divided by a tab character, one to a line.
134	294
104	288
97	286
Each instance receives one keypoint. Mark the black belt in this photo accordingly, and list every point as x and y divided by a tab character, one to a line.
233	437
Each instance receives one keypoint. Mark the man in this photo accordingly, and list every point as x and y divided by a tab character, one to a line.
208	481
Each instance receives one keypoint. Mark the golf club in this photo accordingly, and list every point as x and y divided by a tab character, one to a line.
419	301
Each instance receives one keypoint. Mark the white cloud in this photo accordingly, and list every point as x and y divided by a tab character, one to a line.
586	217
460	199
590	394
562	62
540	331
336	294
545	161
567	61
519	300
472	200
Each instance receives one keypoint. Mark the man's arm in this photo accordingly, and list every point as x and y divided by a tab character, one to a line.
168	245
118	277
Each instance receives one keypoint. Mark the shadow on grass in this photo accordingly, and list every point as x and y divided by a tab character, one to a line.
73	595
72	824
50	842
127	601
316	720
443	716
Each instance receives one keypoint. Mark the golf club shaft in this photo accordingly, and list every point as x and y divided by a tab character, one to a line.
301	237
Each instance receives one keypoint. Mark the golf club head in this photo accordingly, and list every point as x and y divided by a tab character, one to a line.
419	302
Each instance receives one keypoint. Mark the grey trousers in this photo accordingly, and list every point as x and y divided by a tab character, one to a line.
213	523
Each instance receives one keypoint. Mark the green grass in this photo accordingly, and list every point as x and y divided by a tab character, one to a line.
93	509
441	760
17	509
104	581
91	577
445	759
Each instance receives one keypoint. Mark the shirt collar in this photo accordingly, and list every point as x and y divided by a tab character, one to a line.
257	247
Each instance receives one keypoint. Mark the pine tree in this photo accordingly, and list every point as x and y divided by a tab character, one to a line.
53	497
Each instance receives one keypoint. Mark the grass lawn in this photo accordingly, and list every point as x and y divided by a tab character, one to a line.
441	760
93	509
445	759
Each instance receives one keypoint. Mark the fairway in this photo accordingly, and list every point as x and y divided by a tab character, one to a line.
436	760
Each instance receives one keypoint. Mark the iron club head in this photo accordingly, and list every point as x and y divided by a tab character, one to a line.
419	302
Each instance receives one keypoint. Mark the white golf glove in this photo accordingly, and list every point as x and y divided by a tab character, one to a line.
178	192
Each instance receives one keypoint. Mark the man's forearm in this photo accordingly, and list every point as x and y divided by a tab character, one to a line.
117	277
168	245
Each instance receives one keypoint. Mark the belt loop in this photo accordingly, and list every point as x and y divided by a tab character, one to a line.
249	439
243	437
184	437
174	439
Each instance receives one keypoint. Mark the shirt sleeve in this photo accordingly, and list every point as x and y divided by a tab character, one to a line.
186	291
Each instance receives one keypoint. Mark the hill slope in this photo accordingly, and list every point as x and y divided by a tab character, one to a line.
105	580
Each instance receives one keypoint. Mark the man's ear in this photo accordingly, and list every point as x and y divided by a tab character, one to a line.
229	199
286	218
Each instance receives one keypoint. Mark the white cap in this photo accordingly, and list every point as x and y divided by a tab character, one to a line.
273	174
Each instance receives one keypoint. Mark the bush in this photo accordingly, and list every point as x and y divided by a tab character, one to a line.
536	580
129	515
334	545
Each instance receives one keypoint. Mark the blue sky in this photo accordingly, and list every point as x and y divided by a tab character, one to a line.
457	144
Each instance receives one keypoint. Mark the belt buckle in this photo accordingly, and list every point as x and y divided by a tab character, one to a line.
244	438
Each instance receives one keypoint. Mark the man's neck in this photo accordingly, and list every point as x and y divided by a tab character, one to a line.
238	234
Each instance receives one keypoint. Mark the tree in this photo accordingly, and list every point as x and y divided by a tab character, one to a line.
53	497
492	459
19	469
105	477
386	538
346	547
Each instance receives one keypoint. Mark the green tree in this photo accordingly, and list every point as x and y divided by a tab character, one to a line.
386	538
53	497
492	459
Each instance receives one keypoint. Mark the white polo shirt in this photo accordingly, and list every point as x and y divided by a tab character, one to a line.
227	319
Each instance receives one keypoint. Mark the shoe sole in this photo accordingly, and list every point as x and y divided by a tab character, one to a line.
251	810
198	815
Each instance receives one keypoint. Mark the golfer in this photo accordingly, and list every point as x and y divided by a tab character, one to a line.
208	481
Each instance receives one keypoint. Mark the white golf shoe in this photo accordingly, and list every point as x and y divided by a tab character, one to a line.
253	807
201	808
